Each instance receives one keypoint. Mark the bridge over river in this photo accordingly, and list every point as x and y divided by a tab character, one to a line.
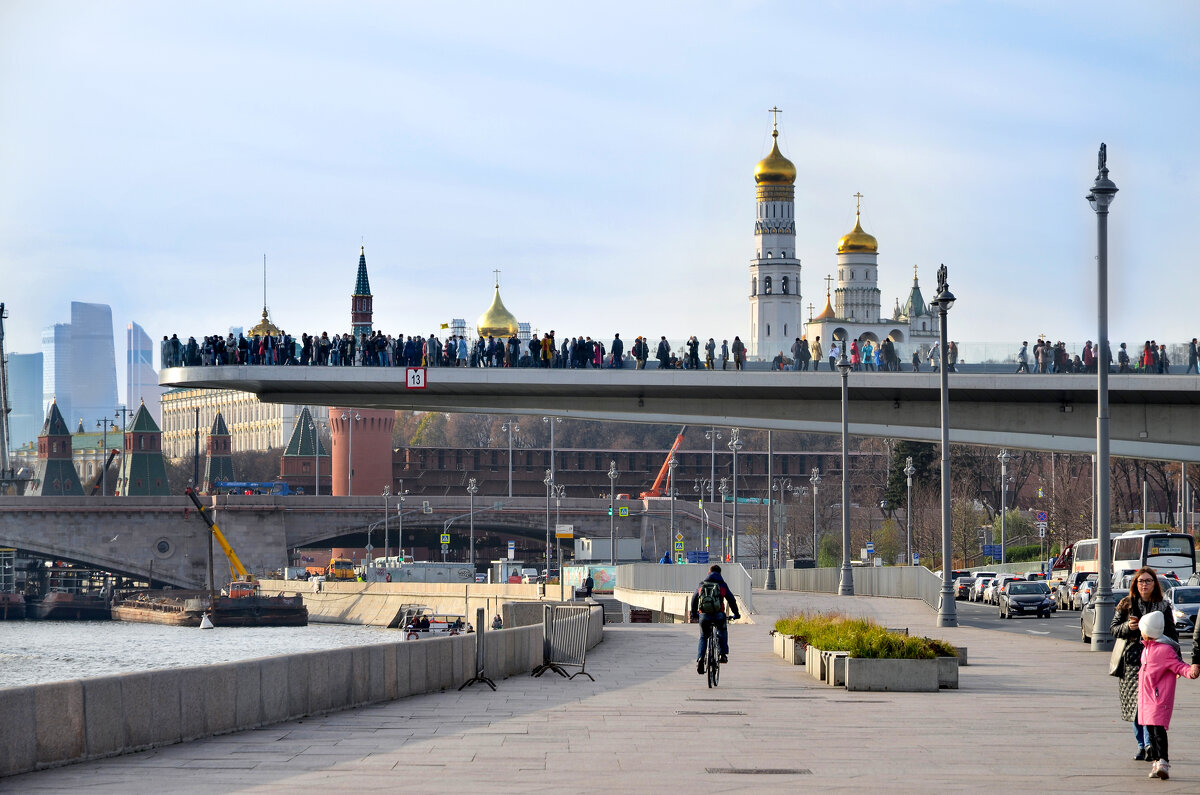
163	538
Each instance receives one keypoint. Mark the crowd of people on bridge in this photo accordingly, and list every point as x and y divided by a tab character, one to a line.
583	352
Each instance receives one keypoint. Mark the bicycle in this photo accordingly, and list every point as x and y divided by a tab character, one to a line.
712	659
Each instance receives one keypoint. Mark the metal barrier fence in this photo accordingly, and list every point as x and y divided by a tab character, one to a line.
901	582
565	641
480	652
685	578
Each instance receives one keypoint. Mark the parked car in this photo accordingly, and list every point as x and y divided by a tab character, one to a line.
1186	602
978	587
1025	598
993	591
1121	584
1084	594
962	587
1070	586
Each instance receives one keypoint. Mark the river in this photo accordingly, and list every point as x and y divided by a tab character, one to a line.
32	652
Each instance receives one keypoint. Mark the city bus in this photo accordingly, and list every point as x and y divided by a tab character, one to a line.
276	487
1166	553
1086	555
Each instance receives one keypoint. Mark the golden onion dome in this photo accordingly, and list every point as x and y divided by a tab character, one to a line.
265	327
497	321
827	313
775	169
856	240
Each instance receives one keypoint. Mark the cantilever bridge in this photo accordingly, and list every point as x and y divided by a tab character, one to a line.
1152	416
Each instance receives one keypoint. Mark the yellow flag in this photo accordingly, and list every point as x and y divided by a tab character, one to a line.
445	325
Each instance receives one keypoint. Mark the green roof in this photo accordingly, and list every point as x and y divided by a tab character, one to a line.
55	424
304	441
361	285
218	427
143	422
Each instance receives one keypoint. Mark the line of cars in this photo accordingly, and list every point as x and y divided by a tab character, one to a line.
1184	599
1013	594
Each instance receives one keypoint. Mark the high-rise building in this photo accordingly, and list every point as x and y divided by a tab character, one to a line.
56	369
25	397
93	363
141	379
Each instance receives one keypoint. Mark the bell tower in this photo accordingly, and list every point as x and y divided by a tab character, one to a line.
360	301
775	301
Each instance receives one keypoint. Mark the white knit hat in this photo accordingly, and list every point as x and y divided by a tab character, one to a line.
1151	625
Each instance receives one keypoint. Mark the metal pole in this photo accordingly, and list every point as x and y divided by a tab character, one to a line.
511	426
909	471
671	491
724	493
734	445
471	489
1004	457
612	524
549	481
195	455
1102	195
846	584
770	505
815	480
387	490
400	529
947	609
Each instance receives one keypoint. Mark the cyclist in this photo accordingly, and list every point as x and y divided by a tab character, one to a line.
708	604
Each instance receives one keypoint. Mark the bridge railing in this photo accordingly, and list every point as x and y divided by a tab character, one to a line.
900	582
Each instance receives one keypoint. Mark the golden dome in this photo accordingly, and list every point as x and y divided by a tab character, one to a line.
775	169
827	313
857	240
264	327
497	321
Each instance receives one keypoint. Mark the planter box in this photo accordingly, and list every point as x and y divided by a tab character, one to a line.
948	672
835	667
893	675
962	654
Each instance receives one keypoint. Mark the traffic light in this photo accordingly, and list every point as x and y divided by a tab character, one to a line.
610	510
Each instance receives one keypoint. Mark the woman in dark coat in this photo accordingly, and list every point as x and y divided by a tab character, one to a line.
1145	596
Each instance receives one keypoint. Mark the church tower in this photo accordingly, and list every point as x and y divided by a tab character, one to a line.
55	473
857	296
143	469
775	303
360	301
218	463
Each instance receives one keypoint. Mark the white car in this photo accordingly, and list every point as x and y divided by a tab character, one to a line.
992	594
981	583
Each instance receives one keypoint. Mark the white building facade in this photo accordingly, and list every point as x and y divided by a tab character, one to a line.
776	311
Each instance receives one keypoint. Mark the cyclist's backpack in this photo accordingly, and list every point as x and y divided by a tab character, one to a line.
710	597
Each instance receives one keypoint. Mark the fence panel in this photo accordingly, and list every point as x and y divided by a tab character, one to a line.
565	641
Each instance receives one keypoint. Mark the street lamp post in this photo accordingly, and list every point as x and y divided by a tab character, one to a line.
350	452
559	490
724	493
612	522
400	519
846	584
1004	459
770	504
947	610
387	492
1104	190
734	445
782	485
551	421
700	486
104	423
909	471
671	464
316	431
472	489
714	436
549	481
815	480
509	427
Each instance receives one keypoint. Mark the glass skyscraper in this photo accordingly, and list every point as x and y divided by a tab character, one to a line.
25	397
141	379
80	365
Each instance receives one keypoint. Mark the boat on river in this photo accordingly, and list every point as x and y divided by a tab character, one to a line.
236	606
63	592
12	606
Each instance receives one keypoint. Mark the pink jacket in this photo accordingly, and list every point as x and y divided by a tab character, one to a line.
1156	683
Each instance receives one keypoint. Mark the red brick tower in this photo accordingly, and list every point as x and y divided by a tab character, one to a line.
372	455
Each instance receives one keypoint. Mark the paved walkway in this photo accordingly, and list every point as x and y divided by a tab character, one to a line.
1032	714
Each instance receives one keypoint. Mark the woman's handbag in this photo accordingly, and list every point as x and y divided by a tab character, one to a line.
1116	660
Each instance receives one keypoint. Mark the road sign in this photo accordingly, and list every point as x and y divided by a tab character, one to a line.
679	536
1041	532
991	550
870	547
678	546
564	531
445	548
369	547
415	377
512	549
623	511
445	538
1042	517
916	558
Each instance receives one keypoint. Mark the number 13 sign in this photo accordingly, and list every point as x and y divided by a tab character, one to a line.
416	377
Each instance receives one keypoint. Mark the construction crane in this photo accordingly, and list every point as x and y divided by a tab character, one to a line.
5	406
237	571
657	489
113	453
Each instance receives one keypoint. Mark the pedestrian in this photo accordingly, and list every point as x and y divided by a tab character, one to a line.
724	354
797	347
739	353
618	352
1192	357
805	355
916	360
816	354
1145	597
497	622
1123	360
710	352
588	585
834	353
1023	358
1160	666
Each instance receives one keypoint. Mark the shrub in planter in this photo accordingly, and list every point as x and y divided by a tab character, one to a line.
860	637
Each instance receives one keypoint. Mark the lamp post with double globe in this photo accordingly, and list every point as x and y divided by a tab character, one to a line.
735	444
612	523
846	583
909	471
815	480
947	610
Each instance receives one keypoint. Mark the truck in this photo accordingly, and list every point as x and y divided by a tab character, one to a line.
340	570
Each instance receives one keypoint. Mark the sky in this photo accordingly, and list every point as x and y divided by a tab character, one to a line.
600	156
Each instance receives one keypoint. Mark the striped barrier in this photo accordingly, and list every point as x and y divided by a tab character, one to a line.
564	641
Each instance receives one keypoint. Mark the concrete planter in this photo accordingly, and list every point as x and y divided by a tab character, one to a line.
835	667
790	648
948	672
894	675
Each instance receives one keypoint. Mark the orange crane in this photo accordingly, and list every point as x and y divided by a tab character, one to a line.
657	489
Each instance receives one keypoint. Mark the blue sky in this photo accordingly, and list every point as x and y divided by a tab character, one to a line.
599	155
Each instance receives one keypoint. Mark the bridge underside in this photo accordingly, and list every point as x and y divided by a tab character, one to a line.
1150	416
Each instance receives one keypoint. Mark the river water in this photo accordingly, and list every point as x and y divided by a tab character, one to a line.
32	652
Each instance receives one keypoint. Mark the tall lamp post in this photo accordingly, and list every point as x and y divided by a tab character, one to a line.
400	518
559	490
350	452
671	464
1004	459
846	584
909	471
947	610
316	432
612	522
472	489
700	486
509	427
713	436
549	481
551	421
734	445
1104	190
104	423
782	485
724	493
387	492
815	480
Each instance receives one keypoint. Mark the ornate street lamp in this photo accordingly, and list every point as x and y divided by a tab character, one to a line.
734	445
1004	459
549	481
472	488
612	524
846	584
947	610
815	480
350	451
714	436
724	493
909	471
671	464
509	427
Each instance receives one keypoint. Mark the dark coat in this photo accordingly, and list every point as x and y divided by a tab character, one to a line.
1128	687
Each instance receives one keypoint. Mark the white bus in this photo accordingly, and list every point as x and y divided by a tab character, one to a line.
1086	555
1166	553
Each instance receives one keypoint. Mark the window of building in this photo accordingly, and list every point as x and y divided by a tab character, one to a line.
785	288
753	285
768	329
767	285
785	329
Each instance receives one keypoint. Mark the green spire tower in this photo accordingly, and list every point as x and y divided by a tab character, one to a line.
143	470
55	474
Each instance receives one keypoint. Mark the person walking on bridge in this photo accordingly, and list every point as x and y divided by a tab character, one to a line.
708	606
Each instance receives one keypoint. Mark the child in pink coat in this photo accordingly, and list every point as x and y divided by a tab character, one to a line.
1156	688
